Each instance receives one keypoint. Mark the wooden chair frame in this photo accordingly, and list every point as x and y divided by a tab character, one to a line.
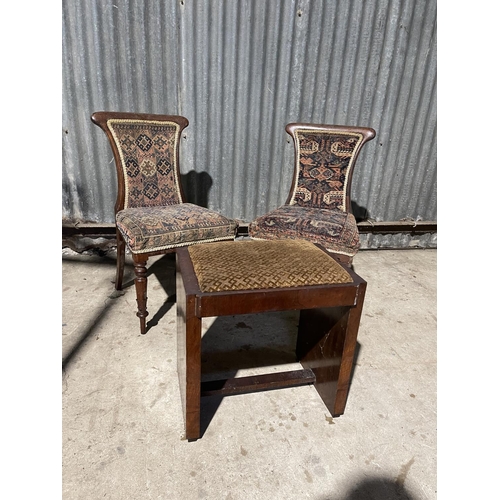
140	260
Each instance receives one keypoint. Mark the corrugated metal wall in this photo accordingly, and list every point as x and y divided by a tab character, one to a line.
240	70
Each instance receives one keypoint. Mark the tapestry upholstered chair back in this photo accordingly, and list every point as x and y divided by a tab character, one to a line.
148	152
318	207
151	214
324	161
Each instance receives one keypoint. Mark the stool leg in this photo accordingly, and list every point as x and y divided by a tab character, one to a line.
326	343
141	286
189	359
352	327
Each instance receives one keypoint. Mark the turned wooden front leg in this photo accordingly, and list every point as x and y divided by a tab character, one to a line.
141	286
326	343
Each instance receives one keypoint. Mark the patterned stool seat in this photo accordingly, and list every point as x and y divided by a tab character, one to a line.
335	230
151	229
260	265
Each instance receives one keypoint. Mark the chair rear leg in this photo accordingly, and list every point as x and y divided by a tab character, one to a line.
141	285
120	260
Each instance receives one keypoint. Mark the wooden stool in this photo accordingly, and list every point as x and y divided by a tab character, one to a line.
252	276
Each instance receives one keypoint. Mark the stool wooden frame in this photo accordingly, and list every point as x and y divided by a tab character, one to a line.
326	341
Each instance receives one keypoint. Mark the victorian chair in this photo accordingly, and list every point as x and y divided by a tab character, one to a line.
318	207
151	215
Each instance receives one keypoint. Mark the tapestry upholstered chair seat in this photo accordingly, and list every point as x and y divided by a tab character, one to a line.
318	208
151	214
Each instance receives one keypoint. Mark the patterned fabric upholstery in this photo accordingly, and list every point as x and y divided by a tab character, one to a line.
150	229
253	265
148	153
324	161
318	206
334	229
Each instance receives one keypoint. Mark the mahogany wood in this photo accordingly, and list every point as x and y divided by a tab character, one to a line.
283	299
328	327
255	383
326	343
120	260
188	357
141	285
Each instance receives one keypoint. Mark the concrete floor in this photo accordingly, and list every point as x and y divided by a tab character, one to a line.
122	420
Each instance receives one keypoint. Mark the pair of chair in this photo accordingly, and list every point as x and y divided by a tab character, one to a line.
153	218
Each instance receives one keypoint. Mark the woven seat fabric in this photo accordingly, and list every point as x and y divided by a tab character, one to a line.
151	229
333	229
258	265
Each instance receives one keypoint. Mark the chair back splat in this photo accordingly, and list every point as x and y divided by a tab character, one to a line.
146	152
